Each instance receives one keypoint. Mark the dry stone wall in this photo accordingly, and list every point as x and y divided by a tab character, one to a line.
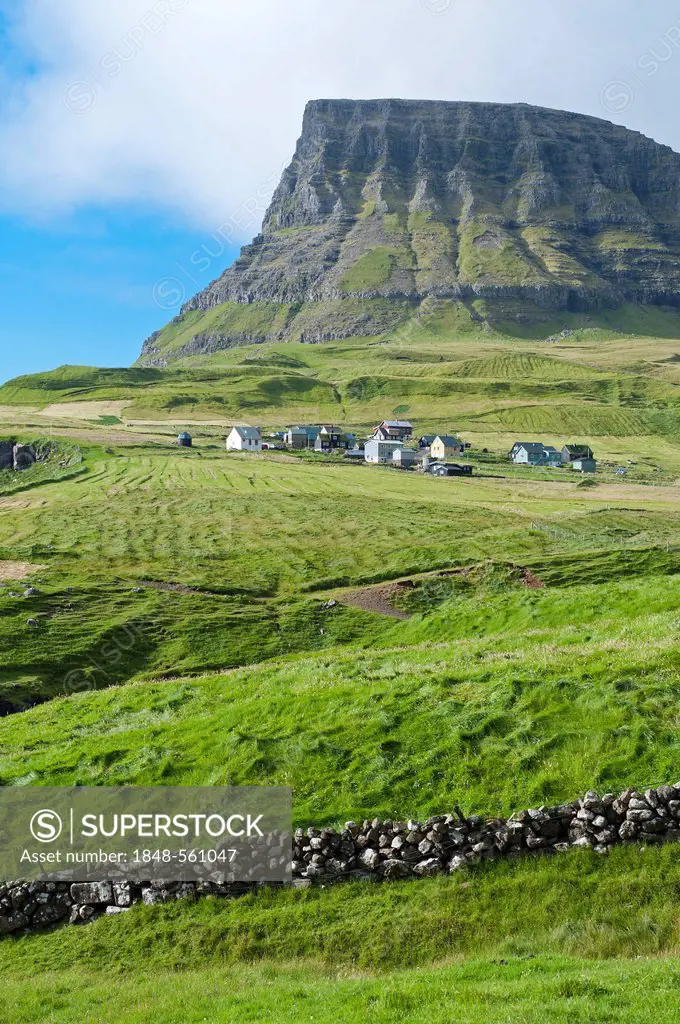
379	851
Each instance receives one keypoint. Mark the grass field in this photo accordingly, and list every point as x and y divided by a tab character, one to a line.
181	633
583	940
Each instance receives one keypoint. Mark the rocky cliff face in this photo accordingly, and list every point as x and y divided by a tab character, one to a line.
401	201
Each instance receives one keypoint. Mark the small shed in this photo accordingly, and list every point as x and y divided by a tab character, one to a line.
404	458
448	469
185	440
584	466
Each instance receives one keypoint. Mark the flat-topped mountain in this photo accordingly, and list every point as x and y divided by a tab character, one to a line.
389	204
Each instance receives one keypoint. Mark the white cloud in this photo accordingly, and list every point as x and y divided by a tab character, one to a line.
195	105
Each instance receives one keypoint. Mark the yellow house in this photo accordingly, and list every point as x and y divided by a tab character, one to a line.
443	446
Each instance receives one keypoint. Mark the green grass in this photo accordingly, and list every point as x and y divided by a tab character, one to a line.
480	993
574	937
184	637
504	705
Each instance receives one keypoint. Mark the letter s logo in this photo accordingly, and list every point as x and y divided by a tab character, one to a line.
46	826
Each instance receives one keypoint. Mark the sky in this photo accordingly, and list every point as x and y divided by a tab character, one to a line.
136	136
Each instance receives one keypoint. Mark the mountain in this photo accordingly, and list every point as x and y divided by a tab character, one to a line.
391	208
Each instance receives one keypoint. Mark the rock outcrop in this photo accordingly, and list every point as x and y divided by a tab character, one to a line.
7	454
379	851
398	201
16	456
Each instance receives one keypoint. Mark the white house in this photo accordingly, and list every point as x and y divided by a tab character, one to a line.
376	450
244	439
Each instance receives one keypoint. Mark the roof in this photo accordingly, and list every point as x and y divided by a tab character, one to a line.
549	448
379	440
428	437
447	439
185	436
407	451
530	446
574	449
248	433
396	423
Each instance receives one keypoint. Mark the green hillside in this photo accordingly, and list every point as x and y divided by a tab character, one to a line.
184	632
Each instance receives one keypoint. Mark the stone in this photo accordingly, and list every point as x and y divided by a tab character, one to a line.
122	894
23	456
629	831
7	454
395	869
583	841
635	815
427	868
151	896
92	893
50	913
654	827
370	858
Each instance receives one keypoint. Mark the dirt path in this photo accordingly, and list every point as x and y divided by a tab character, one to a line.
17	570
379	598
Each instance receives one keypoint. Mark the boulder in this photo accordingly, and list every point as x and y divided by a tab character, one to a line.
7	454
92	893
23	456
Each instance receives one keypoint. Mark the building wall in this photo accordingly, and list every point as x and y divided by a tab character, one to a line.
379	451
235	443
440	451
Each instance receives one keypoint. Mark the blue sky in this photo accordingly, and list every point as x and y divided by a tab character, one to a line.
88	289
132	134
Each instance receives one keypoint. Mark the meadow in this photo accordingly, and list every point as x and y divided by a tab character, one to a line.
194	621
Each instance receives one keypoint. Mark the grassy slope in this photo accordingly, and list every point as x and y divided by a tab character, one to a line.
515	941
613	377
491	695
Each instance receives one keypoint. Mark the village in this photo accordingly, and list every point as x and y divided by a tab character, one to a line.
394	443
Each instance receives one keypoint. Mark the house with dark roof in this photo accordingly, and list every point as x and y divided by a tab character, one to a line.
404	458
551	456
331	439
448	469
244	439
527	453
394	430
302	437
584	466
444	445
534	453
576	452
